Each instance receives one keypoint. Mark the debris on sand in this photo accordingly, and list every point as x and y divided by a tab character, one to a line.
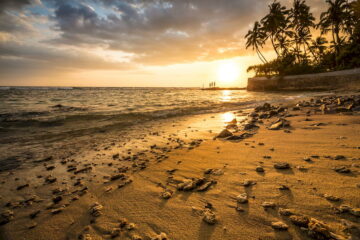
300	221
283	187
22	186
117	176
198	184
57	210
205	186
318	229
342	169
331	198
166	194
95	209
83	170
248	183
34	214
285	212
267	205
279	226
50	179
279	124
242	198
282	165
161	236
6	216
259	169
209	217
224	134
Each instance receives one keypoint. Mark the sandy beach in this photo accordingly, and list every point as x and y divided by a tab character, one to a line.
180	120
280	172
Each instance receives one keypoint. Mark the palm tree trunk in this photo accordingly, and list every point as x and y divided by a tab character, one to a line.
273	44
305	52
262	60
337	40
297	51
311	51
335	44
261	56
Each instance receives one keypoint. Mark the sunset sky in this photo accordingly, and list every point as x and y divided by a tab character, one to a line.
130	43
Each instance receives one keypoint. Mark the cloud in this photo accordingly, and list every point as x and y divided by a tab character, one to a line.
14	19
153	32
13	4
160	32
55	58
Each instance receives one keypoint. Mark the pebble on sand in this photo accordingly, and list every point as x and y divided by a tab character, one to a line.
161	236
342	169
267	205
259	169
282	165
242	198
331	198
95	209
6	216
209	217
285	212
300	221
166	194
224	134
57	210
279	226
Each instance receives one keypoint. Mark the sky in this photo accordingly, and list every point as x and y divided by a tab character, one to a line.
129	43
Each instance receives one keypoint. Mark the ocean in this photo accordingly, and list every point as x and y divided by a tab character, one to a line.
22	108
37	120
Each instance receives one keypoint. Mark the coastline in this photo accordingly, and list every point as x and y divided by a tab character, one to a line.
133	184
326	81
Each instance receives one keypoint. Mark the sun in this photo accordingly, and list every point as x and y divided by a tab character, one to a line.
228	72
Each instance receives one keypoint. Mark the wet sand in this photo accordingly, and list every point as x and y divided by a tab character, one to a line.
298	181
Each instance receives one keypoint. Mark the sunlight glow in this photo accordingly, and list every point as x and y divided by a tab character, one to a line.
228	117
228	72
226	95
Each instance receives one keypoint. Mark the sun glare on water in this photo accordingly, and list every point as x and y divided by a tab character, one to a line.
227	117
228	72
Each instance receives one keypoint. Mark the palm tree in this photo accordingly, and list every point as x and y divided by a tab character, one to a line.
355	21
275	24
283	43
255	39
302	21
318	46
335	19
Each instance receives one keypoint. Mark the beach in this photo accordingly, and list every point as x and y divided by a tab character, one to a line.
288	169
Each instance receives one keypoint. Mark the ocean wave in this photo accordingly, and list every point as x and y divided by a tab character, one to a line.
34	88
54	118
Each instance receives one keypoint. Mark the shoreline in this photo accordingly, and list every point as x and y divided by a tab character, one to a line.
134	184
326	81
221	89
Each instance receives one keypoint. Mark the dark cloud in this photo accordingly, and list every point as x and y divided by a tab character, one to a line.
156	32
13	4
80	19
12	17
47	57
11	23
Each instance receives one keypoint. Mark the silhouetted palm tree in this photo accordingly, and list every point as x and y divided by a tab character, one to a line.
290	33
335	19
255	39
275	24
354	22
318	46
301	21
283	43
